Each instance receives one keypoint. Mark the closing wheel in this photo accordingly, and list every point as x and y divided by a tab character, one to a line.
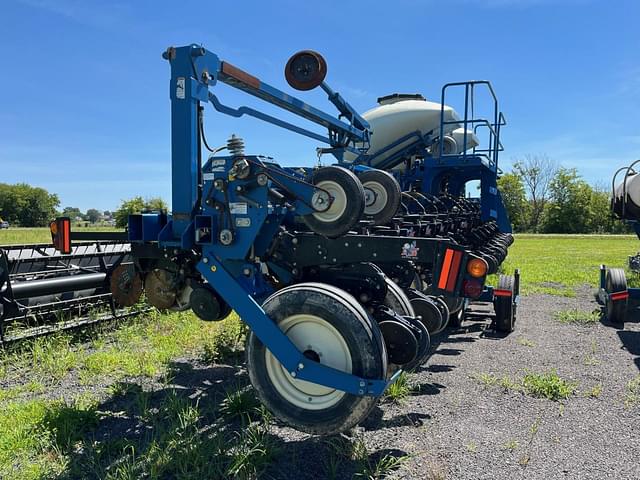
444	311
329	326
504	305
615	309
397	300
424	345
207	305
346	202
382	195
456	319
426	308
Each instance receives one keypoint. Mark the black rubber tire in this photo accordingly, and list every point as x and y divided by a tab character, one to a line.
504	306
381	215
444	311
424	346
429	312
615	281
367	352
397	300
456	319
354	202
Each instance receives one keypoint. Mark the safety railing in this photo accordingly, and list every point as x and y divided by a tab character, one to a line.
471	123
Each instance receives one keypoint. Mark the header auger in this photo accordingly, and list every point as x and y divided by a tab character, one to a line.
342	272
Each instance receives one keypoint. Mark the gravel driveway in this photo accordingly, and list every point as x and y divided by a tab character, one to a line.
455	426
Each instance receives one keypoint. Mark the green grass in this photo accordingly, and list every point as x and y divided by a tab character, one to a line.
543	385
577	317
557	264
399	390
632	396
548	385
38	436
16	236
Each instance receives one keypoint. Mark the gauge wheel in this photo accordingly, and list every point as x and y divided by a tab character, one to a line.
329	326
382	195
341	190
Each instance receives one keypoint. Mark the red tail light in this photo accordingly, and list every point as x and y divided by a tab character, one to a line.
472	288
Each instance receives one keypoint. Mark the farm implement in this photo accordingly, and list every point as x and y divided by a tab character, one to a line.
42	291
618	300
342	272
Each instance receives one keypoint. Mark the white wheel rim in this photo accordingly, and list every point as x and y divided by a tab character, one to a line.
310	332
339	205
381	198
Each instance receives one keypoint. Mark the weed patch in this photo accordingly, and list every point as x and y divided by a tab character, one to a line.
632	396
548	385
399	390
577	317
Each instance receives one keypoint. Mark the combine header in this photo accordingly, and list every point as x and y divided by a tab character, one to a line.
342	272
42	290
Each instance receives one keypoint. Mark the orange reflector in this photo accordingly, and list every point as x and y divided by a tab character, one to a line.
446	266
453	273
502	293
477	267
61	234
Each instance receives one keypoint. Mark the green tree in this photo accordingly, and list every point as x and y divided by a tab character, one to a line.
514	197
570	208
93	215
72	212
536	172
137	205
27	206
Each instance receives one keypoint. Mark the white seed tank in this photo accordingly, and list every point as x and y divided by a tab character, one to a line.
399	115
632	188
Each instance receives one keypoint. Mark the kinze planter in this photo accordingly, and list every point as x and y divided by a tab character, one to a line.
341	276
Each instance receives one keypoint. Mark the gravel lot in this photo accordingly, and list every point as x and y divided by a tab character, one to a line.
453	425
456	427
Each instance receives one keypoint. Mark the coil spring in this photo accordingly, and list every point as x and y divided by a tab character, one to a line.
235	145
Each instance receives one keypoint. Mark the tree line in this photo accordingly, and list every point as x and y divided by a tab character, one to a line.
27	206
542	197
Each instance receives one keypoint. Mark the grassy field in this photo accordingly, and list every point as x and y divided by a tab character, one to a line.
114	404
558	264
16	236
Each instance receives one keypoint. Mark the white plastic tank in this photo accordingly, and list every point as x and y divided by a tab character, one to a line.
632	187
398	115
459	136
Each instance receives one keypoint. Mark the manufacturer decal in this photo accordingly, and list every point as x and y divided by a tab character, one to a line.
409	250
238	208
180	84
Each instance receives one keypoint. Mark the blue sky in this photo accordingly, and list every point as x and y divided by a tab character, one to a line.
84	107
